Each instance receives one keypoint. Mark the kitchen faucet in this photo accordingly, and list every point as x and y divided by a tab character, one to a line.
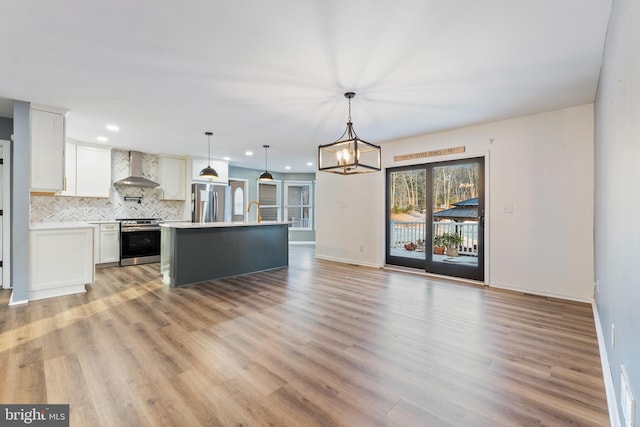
257	204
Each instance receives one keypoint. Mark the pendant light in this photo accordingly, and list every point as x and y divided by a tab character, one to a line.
209	172
266	176
349	154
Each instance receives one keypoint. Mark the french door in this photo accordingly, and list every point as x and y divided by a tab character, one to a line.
435	217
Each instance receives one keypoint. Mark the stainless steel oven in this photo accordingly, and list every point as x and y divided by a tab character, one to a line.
139	241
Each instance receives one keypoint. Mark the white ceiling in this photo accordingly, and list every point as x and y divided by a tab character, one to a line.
274	72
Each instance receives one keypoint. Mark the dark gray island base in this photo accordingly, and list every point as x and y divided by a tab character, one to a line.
192	252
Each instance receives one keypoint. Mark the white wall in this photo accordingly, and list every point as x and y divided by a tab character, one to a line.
350	217
542	165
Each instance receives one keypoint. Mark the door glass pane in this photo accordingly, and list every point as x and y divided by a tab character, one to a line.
407	215
455	214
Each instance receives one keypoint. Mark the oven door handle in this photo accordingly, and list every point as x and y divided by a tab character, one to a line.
132	229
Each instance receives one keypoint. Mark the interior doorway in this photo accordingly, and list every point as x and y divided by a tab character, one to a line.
435	217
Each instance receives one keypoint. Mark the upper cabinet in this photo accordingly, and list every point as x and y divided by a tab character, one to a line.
93	171
221	166
173	177
47	148
69	170
88	170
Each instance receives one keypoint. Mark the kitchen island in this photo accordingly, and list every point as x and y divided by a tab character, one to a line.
197	252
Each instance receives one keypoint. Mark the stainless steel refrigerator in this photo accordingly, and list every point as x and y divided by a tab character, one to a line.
207	203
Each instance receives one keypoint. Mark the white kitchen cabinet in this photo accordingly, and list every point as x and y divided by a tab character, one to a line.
47	149
173	178
88	170
109	243
221	166
60	259
93	171
69	170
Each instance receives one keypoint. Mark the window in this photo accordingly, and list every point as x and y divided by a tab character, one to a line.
298	207
269	198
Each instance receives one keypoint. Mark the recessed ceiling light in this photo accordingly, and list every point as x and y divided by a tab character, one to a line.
113	128
227	158
248	153
102	138
309	163
287	167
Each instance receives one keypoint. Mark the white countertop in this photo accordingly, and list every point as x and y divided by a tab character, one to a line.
60	225
113	221
219	224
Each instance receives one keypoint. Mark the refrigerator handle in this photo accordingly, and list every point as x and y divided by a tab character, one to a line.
215	206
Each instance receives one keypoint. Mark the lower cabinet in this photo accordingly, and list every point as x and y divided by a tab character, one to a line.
107	245
60	260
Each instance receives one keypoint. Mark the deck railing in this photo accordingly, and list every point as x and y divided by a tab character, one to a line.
299	222
403	232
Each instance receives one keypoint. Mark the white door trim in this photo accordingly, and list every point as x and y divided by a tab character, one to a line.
6	214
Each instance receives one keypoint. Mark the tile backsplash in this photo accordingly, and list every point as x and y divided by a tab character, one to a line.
64	208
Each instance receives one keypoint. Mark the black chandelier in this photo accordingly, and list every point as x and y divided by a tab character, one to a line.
349	154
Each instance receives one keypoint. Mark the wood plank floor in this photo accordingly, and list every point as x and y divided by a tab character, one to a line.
315	344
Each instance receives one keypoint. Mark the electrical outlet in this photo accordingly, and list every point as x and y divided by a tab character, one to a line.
627	401
613	335
597	286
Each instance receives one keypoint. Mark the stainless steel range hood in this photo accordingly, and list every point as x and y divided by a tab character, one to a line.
135	178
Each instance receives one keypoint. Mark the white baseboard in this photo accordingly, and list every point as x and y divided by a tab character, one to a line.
539	293
301	242
56	291
610	389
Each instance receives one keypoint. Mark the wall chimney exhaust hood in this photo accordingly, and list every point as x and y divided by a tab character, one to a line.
135	178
